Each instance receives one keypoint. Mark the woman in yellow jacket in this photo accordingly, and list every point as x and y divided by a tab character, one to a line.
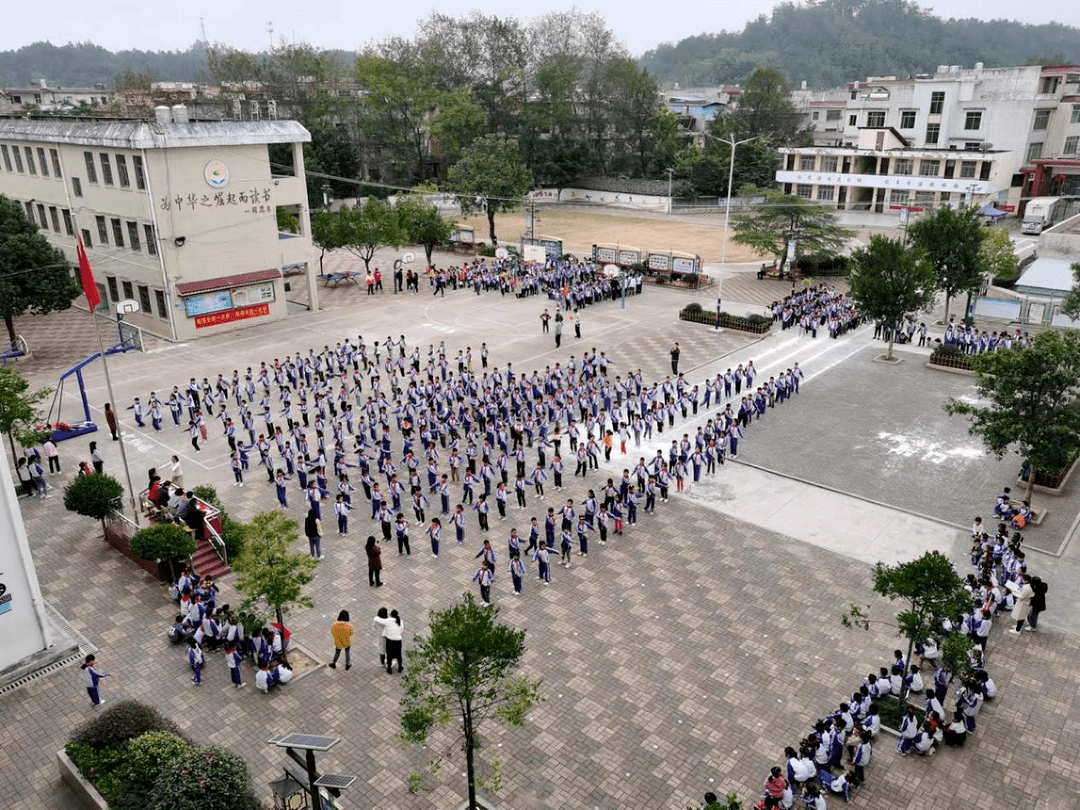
342	632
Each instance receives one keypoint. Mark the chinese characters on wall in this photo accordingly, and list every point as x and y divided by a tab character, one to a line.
254	200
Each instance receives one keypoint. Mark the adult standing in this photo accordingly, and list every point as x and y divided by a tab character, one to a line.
91	677
544	318
110	420
176	472
558	329
1022	607
392	632
313	530
675	358
52	454
342	632
374	562
577	325
1038	603
26	480
95	457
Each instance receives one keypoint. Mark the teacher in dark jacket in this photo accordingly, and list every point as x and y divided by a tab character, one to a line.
374	562
1038	603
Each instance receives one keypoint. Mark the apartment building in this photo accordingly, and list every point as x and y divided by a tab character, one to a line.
957	137
177	215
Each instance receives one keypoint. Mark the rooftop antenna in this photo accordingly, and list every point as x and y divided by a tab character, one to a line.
270	32
202	28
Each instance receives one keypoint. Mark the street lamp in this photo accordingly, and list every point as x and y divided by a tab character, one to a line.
731	142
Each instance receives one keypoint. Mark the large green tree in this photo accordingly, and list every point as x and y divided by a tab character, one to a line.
764	109
784	217
18	405
269	573
952	242
490	177
423	224
366	229
1031	403
326	233
464	672
1071	304
890	282
34	276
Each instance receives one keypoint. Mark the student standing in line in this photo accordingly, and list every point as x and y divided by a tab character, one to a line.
342	633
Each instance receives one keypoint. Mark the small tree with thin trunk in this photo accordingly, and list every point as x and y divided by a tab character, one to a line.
18	405
464	671
952	242
96	496
490	177
889	282
269	573
363	231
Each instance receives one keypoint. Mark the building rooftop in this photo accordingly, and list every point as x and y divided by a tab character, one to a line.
130	134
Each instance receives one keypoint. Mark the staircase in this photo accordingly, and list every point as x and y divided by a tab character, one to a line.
205	561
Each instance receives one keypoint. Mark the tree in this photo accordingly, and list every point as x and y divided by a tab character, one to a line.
364	230
490	177
326	233
18	409
464	671
95	496
422	223
1071	304
929	590
996	254
268	571
764	109
34	276
1033	409
889	282
952	242
785	217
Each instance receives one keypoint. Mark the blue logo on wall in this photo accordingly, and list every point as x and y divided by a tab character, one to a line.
5	599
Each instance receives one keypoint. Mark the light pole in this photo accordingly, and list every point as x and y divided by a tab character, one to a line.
671	202
732	143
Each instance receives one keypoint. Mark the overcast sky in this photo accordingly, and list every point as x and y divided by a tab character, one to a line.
640	24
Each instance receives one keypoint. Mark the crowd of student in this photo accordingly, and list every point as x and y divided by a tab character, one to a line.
814	308
966	338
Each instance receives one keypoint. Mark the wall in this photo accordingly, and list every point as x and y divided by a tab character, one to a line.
620	199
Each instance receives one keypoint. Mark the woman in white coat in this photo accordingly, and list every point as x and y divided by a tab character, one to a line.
1022	607
392	633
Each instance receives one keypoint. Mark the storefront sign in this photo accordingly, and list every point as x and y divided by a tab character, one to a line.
241	314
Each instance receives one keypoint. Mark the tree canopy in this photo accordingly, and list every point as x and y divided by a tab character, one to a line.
764	110
952	242
269	573
490	177
890	282
422	223
366	229
1071	304
1031	403
785	216
18	405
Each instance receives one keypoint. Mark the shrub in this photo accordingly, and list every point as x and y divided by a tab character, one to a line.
232	531
146	757
486	250
121	722
947	350
694	307
757	319
162	541
209	778
93	496
101	767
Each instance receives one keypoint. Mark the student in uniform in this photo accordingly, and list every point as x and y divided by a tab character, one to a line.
543	560
484	577
91	678
233	659
517	572
195	661
434	532
341	510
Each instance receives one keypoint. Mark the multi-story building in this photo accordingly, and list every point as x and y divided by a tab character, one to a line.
955	137
43	98
177	215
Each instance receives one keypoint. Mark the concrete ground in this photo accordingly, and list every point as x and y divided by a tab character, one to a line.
680	658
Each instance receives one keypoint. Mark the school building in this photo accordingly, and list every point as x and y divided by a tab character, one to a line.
179	216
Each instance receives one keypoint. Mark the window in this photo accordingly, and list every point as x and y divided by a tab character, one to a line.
833	115
122	172
162	310
973	119
15	153
875	118
805	191
816	115
102	231
907	119
1042	119
1070	144
967	168
54	217
825	192
899	196
133	236
42	162
91	170
933	133
114	292
937	102
1075	119
69	226
1050	84
55	163
88	243
7	153
30	160
29	206
853	120
1034	151
106	169
806	163
128	291
140	176
118	233
828	164
41	217
929	168
76	186
924	197
144	298
903	166
151	241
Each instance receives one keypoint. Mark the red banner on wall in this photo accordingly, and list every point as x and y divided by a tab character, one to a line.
241	314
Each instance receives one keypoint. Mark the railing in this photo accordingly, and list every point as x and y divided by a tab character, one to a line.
217	542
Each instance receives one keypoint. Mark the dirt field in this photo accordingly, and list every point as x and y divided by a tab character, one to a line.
581	228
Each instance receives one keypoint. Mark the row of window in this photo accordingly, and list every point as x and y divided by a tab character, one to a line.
115	286
34	161
22	160
896	196
37	213
905	166
123	177
115	229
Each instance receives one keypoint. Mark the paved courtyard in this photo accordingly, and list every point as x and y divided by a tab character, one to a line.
680	658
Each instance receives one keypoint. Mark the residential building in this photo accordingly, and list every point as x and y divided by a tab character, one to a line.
177	215
41	97
957	137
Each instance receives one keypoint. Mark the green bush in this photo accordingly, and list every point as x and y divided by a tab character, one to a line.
486	250
100	766
162	541
121	722
232	531
757	319
209	778
146	757
947	350
93	496
695	307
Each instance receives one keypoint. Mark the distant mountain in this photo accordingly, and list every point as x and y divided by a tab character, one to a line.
827	43
85	64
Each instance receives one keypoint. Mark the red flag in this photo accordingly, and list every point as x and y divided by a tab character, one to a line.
86	276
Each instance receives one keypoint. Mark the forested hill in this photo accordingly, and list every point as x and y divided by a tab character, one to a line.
85	64
831	42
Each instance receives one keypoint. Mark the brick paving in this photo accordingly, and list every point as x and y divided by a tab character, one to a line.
680	658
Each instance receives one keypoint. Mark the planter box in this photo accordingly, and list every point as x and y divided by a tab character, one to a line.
85	793
743	325
1054	486
703	316
957	362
